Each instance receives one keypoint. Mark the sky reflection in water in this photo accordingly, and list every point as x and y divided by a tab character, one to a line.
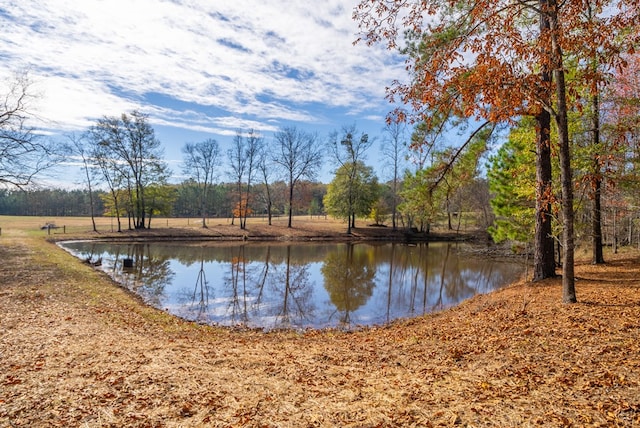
309	285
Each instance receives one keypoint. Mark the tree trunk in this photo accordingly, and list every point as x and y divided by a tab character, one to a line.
596	225
596	231
239	204
269	204
394	208
568	280
91	201
203	204
290	202
93	214
140	206
543	258
615	231
117	208
204	216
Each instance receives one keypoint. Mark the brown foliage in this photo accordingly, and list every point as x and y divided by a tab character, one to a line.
483	58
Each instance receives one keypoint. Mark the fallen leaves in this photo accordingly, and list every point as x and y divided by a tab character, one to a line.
83	353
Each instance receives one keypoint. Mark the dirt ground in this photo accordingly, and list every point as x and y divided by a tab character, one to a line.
77	350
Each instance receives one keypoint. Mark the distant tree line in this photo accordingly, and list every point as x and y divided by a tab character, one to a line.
309	199
184	203
126	176
46	202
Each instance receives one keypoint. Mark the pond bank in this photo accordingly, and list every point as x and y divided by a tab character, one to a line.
275	233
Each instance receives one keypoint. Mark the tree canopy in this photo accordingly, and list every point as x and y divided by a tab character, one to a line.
131	155
353	192
298	156
498	60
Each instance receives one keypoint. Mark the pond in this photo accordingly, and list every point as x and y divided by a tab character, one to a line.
302	285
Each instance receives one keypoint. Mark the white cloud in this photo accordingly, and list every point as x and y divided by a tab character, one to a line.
250	62
72	104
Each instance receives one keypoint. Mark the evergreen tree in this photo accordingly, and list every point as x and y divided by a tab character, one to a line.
512	182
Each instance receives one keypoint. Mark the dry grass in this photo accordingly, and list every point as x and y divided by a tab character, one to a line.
108	225
76	350
303	227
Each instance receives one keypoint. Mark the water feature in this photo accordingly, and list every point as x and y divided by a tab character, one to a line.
301	285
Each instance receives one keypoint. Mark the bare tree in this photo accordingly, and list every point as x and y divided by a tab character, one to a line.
243	158
394	149
299	155
131	143
253	144
79	146
200	163
112	174
238	163
265	169
23	153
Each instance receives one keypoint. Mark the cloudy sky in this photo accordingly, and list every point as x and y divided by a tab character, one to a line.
200	68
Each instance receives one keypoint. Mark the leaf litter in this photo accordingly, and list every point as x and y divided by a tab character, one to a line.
76	350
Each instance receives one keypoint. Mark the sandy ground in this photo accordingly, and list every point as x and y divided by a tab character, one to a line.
77	350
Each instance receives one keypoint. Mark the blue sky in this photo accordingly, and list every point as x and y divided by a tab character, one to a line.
200	68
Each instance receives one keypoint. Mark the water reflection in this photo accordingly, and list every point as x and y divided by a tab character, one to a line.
293	287
199	304
349	279
277	285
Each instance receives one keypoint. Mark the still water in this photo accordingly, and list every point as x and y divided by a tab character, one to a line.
310	285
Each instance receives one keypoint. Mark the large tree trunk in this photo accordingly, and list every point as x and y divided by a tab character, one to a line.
568	280
543	258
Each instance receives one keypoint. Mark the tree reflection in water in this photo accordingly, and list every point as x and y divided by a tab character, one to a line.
237	284
278	285
286	283
293	286
149	274
348	278
200	298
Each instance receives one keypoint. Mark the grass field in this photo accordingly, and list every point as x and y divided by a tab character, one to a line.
82	225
